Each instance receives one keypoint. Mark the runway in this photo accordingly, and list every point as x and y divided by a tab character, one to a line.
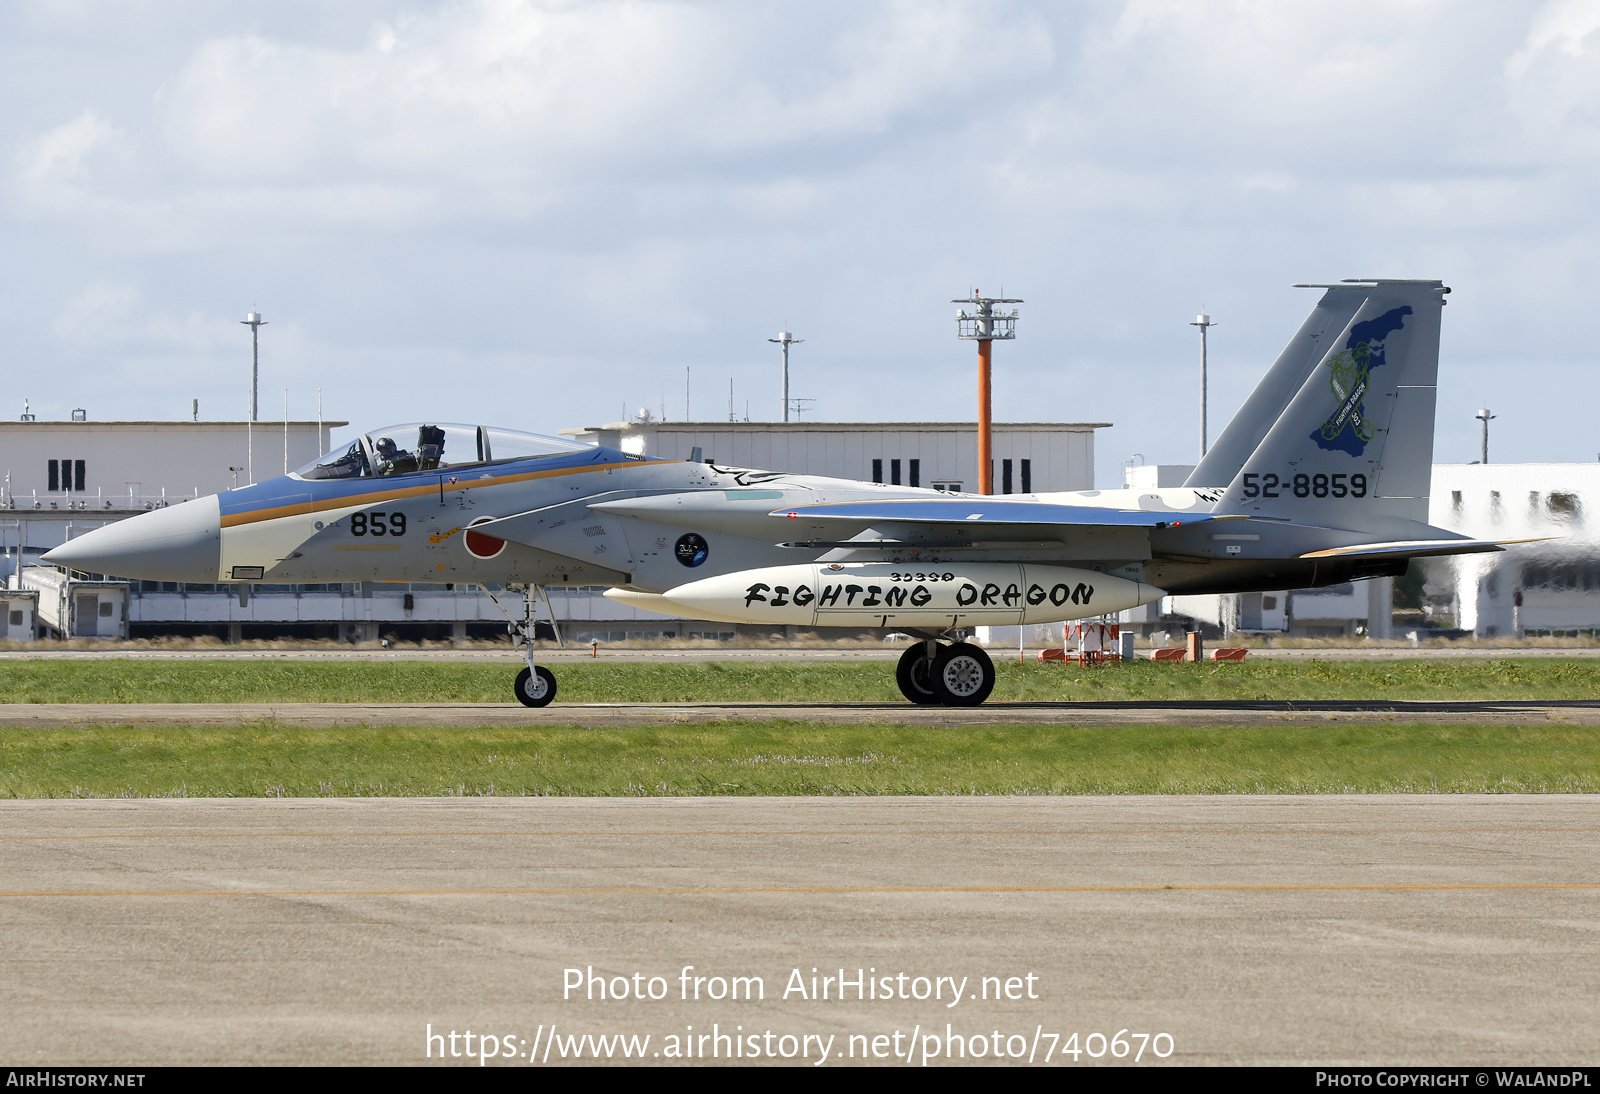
1314	930
1197	712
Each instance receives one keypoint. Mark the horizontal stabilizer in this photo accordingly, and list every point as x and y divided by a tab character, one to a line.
987	511
1420	548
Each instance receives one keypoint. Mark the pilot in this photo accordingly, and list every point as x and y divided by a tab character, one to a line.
393	460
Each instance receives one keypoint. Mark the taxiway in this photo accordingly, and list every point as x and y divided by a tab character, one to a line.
1309	930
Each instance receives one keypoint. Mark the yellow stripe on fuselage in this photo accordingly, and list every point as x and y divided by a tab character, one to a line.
234	520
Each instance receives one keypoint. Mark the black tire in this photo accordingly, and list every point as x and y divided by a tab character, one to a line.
963	676
915	677
532	692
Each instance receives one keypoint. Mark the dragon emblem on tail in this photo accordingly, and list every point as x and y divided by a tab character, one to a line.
1348	429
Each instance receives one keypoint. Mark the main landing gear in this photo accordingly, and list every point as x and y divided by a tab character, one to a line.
954	675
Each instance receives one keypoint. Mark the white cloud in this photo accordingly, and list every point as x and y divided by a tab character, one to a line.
107	314
56	158
504	93
1566	24
510	108
590	192
99	314
53	171
1553	94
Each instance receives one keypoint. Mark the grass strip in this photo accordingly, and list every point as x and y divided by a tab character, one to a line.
794	758
115	681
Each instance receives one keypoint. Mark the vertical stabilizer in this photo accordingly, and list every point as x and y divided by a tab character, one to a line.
1283	380
1353	447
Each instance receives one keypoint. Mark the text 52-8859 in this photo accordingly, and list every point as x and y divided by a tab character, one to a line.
1302	485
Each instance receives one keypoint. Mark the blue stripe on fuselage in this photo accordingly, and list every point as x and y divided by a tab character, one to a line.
289	493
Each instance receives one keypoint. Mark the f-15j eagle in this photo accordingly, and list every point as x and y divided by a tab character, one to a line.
1322	477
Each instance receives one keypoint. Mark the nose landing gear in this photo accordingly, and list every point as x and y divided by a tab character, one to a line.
535	686
955	675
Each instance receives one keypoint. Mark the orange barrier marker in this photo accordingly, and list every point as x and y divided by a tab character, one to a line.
1229	653
1171	653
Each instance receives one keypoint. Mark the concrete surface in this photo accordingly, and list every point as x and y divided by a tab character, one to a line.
1197	712
1449	930
889	653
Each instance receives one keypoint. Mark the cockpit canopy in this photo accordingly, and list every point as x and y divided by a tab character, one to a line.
402	449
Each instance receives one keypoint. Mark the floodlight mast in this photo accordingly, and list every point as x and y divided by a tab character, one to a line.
985	326
254	321
1485	417
785	340
1203	321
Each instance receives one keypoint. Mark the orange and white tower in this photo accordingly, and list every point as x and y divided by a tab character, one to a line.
985	326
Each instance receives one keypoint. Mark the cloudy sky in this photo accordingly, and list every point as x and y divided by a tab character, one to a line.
535	213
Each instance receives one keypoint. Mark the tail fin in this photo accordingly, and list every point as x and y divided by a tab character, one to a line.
1352	446
1224	459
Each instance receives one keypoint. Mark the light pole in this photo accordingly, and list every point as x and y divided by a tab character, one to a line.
1203	321
1485	417
254	321
786	341
985	326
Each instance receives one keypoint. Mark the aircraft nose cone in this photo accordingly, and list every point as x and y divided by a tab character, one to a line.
179	543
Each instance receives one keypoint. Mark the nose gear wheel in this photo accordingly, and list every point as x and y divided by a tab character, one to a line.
535	687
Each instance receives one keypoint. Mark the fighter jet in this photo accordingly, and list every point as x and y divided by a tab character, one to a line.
1321	478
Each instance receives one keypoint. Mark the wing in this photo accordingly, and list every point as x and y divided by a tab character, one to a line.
984	511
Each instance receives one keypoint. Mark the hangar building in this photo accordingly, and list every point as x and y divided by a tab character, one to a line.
1028	456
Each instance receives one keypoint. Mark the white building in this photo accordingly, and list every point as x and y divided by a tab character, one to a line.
1155	476
72	608
61	479
19	610
1547	587
88	465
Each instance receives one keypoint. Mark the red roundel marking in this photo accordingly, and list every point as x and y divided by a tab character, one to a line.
481	545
